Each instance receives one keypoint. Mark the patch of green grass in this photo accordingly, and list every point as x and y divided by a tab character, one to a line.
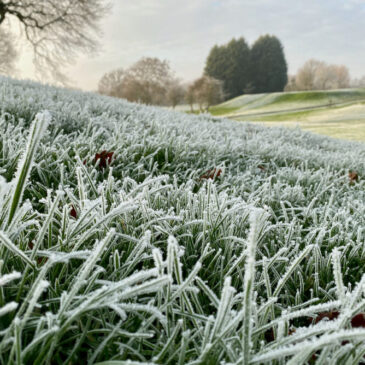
311	110
221	110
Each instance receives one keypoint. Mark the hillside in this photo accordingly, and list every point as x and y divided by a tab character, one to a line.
137	235
337	113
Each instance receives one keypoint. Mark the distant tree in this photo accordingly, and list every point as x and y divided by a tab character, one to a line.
111	83
307	75
291	85
343	76
230	64
326	77
318	75
206	91
358	83
147	81
8	52
56	29
175	92
190	96
268	65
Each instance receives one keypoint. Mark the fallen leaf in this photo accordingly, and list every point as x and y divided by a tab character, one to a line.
269	335
358	320
211	174
353	176
73	212
105	158
329	315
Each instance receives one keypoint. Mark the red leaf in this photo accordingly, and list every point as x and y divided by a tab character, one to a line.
211	174
73	212
269	335
330	315
105	158
39	259
358	320
353	176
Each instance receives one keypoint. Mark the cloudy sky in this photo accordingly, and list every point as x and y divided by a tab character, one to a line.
183	31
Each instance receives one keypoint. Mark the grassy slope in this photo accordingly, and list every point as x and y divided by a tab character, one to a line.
172	284
338	113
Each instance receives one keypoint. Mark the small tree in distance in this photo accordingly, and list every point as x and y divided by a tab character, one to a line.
175	93
318	75
358	83
205	91
190	97
149	81
112	83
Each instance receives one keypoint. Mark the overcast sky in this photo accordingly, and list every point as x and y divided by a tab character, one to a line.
183	31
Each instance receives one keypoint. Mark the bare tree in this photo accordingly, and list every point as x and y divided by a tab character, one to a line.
343	76
190	97
8	52
57	29
175	92
206	91
291	85
147	81
112	83
318	75
326	77
306	78
358	83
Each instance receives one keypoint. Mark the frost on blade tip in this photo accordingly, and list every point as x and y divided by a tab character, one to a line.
7	308
7	278
25	164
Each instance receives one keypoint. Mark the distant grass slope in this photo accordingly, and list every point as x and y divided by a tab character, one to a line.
338	113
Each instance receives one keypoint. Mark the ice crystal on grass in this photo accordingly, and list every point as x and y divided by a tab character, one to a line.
144	256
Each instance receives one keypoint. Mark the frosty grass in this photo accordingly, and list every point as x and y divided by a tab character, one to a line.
158	266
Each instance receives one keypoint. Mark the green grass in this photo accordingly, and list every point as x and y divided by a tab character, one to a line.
337	113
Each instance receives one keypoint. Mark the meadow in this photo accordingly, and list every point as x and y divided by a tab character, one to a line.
138	235
336	113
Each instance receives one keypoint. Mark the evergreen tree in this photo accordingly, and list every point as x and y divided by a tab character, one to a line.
230	64
268	65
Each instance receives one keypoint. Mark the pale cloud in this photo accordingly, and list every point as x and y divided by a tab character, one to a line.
184	31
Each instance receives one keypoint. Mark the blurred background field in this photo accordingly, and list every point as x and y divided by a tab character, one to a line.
335	113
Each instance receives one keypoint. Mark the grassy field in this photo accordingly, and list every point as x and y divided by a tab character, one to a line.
134	235
337	113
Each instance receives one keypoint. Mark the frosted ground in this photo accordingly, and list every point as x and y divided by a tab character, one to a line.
137	260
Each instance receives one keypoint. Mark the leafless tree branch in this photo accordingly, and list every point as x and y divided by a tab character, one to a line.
58	30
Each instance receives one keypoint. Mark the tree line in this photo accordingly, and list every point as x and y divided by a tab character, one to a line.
318	75
151	81
58	30
231	70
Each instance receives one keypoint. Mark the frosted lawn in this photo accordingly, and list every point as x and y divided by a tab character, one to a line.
158	265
